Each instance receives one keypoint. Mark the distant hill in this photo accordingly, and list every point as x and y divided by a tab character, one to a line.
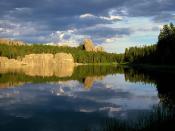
11	42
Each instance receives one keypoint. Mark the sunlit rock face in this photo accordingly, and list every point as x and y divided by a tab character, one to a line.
38	59
63	58
63	65
60	65
88	45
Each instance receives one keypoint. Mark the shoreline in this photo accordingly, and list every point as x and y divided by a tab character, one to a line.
99	64
154	68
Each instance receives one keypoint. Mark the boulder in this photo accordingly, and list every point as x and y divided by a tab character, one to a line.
88	45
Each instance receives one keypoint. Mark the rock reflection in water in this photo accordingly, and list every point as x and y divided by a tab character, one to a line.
10	84
59	70
89	81
15	75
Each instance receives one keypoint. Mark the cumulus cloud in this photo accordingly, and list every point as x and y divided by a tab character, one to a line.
101	33
108	18
87	15
112	17
35	22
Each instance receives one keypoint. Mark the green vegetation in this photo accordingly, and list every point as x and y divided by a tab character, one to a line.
80	55
166	45
163	53
137	55
159	119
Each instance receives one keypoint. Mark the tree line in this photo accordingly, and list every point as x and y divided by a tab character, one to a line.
162	53
80	55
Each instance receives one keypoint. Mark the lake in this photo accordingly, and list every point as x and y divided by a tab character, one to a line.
78	100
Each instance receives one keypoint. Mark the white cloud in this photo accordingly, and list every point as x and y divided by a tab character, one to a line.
109	18
24	9
87	15
10	28
110	40
112	17
68	37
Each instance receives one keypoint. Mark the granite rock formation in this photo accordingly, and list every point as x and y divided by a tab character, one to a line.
88	45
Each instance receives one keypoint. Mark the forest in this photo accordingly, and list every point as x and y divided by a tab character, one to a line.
80	55
162	53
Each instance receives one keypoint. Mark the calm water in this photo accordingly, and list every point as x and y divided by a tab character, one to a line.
80	100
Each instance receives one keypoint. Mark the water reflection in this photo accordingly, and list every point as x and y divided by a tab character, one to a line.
59	70
91	93
162	79
37	74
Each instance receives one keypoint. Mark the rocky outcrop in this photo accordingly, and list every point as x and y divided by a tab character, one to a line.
63	58
88	45
60	64
38	59
48	59
11	42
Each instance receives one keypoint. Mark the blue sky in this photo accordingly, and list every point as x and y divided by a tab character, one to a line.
113	24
